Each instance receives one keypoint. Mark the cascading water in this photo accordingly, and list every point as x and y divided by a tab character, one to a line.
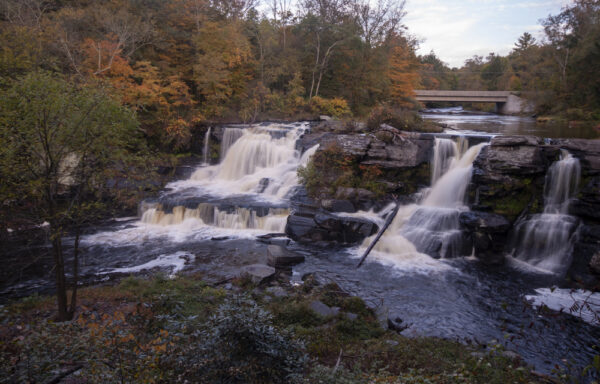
545	240
259	163
206	146
443	152
230	136
432	227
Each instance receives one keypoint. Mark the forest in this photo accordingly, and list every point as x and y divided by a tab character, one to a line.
179	63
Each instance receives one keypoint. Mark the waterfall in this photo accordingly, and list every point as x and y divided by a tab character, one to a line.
444	151
230	136
206	143
561	184
432	226
259	165
207	214
545	240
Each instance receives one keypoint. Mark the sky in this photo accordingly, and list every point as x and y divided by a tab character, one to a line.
459	29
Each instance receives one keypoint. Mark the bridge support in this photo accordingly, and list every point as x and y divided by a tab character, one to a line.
514	105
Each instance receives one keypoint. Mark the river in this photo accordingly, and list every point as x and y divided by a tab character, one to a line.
208	224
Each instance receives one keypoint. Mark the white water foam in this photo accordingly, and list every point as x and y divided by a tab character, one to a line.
175	261
579	303
431	226
258	155
545	240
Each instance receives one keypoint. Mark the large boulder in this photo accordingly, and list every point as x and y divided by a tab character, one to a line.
258	273
488	233
584	268
328	227
280	257
508	177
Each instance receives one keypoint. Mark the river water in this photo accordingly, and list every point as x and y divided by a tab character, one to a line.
208	223
457	119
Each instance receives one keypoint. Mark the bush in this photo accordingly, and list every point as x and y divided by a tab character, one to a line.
398	118
331	168
240	345
336	107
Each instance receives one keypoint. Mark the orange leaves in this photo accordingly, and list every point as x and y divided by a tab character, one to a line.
403	74
104	58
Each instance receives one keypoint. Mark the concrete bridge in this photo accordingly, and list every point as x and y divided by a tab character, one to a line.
506	102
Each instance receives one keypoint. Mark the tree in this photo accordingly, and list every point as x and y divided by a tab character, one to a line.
403	74
58	140
525	42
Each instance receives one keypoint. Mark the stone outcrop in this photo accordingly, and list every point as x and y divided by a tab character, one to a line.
281	257
507	184
508	176
327	227
487	232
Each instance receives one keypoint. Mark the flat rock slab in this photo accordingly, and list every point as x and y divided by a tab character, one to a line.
259	273
278	256
322	309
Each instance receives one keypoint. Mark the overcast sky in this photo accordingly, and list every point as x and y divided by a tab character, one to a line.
458	29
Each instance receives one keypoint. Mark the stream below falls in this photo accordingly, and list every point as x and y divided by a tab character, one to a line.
208	223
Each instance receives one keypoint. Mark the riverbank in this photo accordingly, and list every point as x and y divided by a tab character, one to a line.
173	330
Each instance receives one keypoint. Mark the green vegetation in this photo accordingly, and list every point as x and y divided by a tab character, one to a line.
331	168
59	143
182	330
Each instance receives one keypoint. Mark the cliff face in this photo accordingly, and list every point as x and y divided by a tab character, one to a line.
507	186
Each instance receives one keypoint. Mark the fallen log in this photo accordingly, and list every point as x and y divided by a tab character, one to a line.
388	221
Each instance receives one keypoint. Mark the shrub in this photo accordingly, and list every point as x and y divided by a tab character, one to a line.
398	118
240	345
331	168
336	107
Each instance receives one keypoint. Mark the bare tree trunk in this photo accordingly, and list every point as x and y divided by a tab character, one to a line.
61	286
381	232
312	85
73	304
324	65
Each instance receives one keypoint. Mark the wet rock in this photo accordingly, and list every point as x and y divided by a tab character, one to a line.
302	204
323	310
325	226
587	151
585	268
220	238
262	185
484	222
513	155
259	273
595	263
395	324
406	151
338	205
514	141
508	180
488	233
587	204
325	118
280	257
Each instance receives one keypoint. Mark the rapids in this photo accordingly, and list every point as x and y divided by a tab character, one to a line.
208	224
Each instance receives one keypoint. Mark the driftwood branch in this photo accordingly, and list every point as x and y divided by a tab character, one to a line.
389	220
56	379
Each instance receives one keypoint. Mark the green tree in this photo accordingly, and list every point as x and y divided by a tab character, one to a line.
58	143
